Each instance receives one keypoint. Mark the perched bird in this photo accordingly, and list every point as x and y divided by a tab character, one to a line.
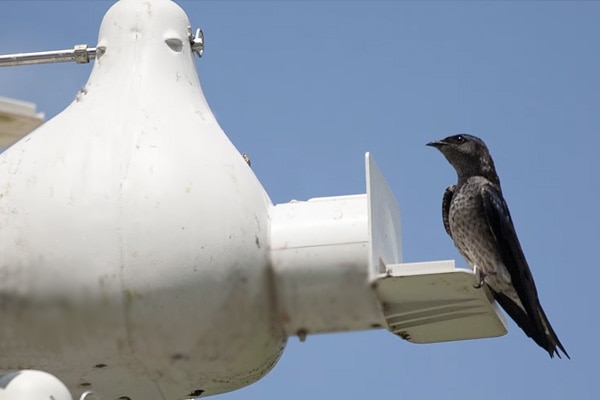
477	219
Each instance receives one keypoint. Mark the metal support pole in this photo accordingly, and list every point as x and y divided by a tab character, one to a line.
81	54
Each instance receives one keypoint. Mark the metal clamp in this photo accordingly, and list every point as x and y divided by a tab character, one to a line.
80	53
197	41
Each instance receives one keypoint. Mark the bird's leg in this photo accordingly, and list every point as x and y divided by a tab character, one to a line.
480	276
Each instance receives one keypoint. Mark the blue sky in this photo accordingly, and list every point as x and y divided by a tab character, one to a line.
305	88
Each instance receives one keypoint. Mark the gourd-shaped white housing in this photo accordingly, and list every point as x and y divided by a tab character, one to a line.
32	385
133	235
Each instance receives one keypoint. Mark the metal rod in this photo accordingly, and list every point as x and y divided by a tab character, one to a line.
80	54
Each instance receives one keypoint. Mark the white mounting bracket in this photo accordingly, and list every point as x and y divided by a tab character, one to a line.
337	265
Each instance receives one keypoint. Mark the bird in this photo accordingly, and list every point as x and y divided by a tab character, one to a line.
476	217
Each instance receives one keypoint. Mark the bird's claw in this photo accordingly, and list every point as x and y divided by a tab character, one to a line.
480	275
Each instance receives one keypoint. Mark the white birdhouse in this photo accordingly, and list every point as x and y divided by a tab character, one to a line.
141	258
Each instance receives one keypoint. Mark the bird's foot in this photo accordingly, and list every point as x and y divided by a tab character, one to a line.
480	275
480	281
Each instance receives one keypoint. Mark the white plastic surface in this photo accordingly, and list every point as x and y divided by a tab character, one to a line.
326	252
134	237
319	250
385	235
436	302
32	385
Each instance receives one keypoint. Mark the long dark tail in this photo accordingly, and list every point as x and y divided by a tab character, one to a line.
545	336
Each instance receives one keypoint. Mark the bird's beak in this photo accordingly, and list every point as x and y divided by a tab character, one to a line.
437	144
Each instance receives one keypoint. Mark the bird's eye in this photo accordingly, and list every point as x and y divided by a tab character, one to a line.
459	139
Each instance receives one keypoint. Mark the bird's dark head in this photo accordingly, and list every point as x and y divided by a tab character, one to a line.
468	155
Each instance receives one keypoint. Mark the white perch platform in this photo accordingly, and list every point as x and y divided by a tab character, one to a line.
141	258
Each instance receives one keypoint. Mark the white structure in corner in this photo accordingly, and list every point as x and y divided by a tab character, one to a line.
142	259
17	119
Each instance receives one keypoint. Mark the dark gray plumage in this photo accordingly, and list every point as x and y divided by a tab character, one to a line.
477	219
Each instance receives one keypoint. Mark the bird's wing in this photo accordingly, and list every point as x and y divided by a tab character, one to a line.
533	321
446	200
501	226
